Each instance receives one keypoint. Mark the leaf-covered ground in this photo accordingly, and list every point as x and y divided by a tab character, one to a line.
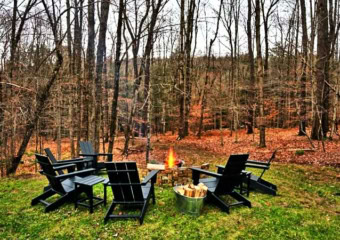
291	148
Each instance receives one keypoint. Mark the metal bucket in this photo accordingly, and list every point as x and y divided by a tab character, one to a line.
190	205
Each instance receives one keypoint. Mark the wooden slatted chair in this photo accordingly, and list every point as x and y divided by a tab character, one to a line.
224	183
88	151
81	163
128	190
256	182
62	185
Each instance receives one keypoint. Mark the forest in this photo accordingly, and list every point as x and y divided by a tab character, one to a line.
103	70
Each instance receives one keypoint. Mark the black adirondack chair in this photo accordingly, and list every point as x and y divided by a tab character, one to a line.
88	151
224	183
62	185
81	163
128	190
256	182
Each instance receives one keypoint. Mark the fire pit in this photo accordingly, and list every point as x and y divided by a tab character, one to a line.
172	160
173	170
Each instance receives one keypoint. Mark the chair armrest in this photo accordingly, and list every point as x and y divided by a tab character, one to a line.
77	173
202	171
73	159
150	176
220	168
89	154
260	166
257	162
61	167
82	160
246	173
197	171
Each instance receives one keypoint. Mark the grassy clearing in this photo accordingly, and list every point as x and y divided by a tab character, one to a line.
306	208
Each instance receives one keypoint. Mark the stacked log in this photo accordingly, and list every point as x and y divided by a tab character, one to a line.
190	190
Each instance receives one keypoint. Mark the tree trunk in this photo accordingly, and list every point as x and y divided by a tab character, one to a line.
320	118
259	72
105	5
181	72
302	103
89	68
118	62
71	72
251	71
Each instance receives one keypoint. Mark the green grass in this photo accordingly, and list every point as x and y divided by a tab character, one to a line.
306	208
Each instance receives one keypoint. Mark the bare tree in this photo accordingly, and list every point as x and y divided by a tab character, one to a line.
302	102
118	62
186	34
259	72
207	78
105	5
44	92
251	71
327	32
90	65
136	38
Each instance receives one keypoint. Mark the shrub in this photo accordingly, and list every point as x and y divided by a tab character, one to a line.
299	152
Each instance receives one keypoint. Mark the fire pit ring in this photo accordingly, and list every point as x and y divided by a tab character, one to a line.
189	205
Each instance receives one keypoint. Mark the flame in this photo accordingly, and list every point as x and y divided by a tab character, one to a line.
171	159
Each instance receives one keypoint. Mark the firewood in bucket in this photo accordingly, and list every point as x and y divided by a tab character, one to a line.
203	190
197	191
190	190
181	190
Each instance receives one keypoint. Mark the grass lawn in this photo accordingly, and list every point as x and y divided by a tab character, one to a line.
307	207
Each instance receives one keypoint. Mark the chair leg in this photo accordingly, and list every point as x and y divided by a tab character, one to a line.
48	187
222	205
105	194
240	198
141	218
109	211
57	203
263	186
153	194
43	196
268	184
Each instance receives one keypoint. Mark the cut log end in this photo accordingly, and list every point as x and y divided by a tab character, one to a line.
190	190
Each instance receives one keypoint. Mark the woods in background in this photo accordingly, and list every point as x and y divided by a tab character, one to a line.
95	70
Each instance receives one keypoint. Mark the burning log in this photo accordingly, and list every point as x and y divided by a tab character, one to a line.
190	190
171	160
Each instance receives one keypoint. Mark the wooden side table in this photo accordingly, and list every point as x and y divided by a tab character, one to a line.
88	183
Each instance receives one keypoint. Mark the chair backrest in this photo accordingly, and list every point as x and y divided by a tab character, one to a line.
52	158
124	180
232	173
86	147
50	173
272	157
268	163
